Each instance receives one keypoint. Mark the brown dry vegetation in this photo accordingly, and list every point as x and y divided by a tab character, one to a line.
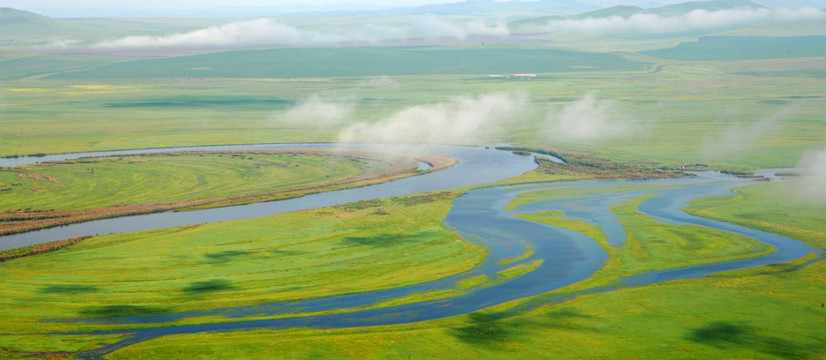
589	166
40	248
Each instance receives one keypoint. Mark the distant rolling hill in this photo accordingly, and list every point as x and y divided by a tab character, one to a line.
14	17
744	47
705	5
22	26
627	11
778	3
619	10
496	8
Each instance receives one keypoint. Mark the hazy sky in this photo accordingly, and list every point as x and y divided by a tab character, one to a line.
160	5
241	8
196	4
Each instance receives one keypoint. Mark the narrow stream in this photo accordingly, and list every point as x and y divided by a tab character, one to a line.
479	217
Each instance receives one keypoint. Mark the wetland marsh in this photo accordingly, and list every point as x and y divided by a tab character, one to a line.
493	180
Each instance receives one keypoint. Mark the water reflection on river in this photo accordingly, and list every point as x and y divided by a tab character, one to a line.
481	217
475	166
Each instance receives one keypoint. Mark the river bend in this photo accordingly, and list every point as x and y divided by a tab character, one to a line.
481	217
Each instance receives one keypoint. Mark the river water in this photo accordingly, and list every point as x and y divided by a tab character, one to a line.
481	217
475	166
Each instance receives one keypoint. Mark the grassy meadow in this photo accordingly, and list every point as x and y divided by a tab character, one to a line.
681	110
347	249
51	194
733	98
112	181
773	207
388	243
717	318
651	245
769	312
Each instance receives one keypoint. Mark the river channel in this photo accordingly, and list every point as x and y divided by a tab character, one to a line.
474	166
482	217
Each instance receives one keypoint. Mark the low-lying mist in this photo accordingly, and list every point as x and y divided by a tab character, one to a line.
431	27
590	119
317	112
690	21
460	120
737	139
271	32
812	184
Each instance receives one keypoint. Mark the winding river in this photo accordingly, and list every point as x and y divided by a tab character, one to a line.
481	217
475	166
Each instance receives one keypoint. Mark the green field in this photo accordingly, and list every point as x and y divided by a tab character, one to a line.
744	48
126	180
31	65
771	312
739	97
347	249
374	61
760	207
371	245
652	245
682	111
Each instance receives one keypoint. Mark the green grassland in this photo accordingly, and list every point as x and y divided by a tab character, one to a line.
743	48
717	318
682	108
685	98
357	61
772	207
22	27
652	245
347	249
389	243
111	181
31	65
769	312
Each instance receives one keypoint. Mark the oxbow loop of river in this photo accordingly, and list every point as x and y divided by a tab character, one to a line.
483	217
475	165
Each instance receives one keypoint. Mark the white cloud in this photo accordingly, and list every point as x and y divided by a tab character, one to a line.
800	14
694	20
259	31
591	119
461	120
317	112
271	32
429	26
365	33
